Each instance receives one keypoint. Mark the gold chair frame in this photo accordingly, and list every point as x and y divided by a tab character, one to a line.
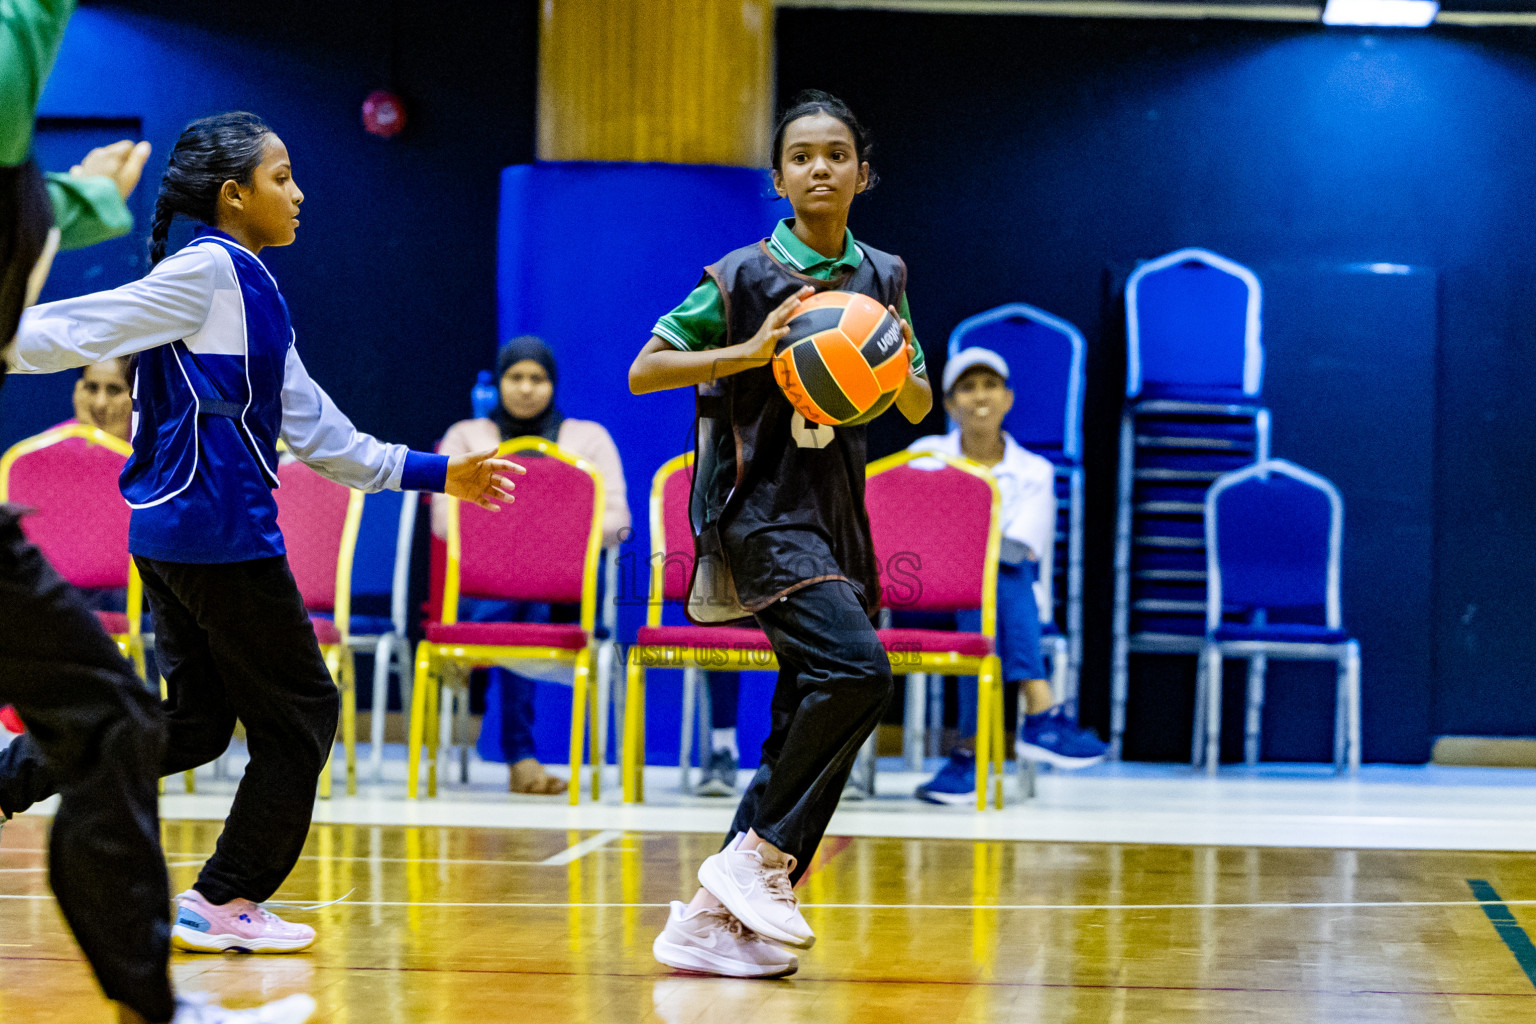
434	662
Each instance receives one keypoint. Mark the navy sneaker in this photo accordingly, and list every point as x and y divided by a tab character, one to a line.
1054	739
955	783
719	775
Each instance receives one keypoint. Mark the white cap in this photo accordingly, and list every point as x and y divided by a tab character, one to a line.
970	358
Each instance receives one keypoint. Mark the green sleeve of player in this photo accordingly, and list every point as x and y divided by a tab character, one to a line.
698	323
919	363
30	32
87	210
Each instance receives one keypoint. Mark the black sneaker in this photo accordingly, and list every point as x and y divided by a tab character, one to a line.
719	775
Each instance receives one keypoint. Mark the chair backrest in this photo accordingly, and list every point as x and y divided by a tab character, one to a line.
382	564
937	533
373	566
79	521
1192	329
319	520
1045	357
542	547
1274	533
671	535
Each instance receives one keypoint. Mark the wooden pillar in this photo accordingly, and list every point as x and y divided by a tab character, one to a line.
675	81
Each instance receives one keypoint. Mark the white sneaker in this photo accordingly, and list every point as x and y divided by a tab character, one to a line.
197	1010
757	890
712	941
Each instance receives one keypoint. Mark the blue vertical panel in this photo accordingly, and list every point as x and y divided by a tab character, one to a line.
590	255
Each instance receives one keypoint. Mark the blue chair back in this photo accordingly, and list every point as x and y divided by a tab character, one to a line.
1045	355
373	567
1274	534
1192	329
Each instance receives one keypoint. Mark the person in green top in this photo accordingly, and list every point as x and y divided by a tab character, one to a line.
99	727
89	203
698	325
781	534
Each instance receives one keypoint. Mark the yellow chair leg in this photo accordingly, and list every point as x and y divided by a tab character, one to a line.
578	730
983	739
999	734
640	720
188	778
349	717
132	648
594	755
434	729
161	784
632	754
328	773
418	721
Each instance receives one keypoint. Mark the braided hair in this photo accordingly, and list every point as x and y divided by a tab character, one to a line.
211	151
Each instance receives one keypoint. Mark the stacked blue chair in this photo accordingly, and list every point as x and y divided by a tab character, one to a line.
1046	355
1194	376
1274	536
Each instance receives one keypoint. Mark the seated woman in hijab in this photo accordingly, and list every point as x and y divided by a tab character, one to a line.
103	398
526	377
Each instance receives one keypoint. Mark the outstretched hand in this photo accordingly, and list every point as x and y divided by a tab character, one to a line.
477	478
123	162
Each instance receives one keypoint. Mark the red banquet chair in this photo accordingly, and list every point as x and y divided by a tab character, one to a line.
67	478
732	648
937	532
541	548
319	520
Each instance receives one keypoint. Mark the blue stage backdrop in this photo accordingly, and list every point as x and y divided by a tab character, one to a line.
590	255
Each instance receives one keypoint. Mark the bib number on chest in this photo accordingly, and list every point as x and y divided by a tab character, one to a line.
808	434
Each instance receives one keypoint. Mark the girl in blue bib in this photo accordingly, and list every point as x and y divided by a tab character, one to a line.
217	381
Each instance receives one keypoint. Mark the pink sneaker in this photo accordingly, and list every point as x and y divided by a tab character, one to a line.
755	887
238	926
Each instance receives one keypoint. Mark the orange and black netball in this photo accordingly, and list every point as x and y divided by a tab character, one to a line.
843	361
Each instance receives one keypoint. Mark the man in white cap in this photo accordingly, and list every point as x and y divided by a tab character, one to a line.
977	398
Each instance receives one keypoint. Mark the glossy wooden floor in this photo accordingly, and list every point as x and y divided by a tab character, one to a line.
471	926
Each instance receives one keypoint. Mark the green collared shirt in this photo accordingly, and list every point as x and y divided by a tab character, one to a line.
698	323
30	33
85	210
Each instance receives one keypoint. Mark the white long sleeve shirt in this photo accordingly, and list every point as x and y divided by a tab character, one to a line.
174	303
205	495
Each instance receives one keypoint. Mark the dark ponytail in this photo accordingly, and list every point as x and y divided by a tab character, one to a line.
211	151
808	103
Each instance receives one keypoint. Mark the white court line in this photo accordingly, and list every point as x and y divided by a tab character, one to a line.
416	860
43	867
443	860
548	861
1080	907
583	848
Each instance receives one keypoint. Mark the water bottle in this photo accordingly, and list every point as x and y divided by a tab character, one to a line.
484	396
